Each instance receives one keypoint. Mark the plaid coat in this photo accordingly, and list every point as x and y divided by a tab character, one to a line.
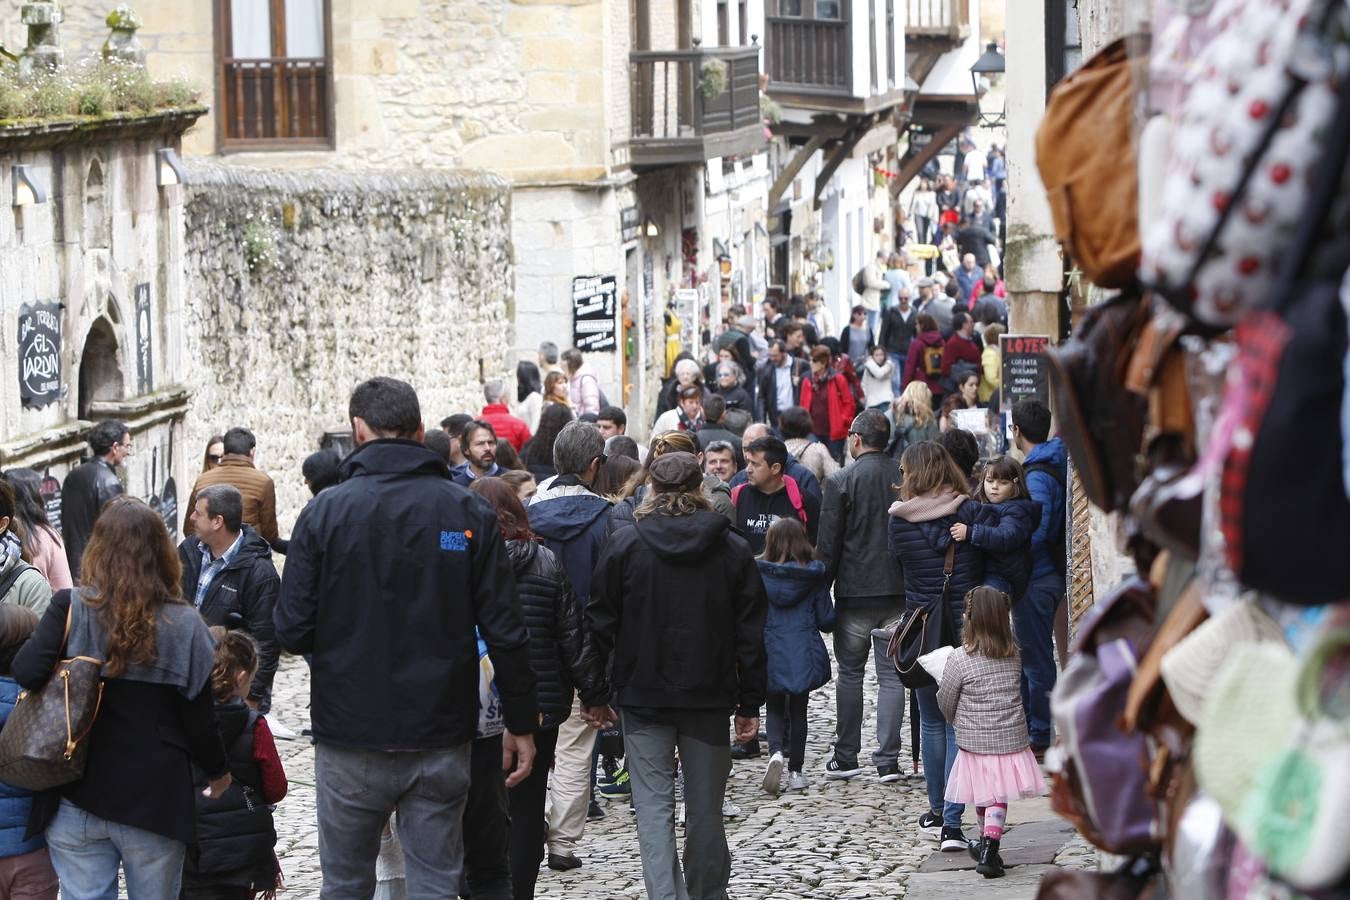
982	699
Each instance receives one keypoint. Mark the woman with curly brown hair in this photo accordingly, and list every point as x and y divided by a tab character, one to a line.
134	805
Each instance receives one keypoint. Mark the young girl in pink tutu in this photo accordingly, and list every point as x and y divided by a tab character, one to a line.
980	694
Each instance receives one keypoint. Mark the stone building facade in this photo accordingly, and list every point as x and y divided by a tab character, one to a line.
538	91
92	298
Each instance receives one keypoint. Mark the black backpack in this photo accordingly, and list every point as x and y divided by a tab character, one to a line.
1055	536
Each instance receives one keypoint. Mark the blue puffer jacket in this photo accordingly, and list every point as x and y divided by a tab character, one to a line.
799	610
15	803
921	546
1004	534
1047	491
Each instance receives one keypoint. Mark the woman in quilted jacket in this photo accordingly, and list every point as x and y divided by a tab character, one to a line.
934	497
559	655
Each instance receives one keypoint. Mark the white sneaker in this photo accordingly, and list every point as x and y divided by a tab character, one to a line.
730	810
798	782
279	731
773	775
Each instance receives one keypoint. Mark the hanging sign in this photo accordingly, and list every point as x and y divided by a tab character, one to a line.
145	368
1026	375
594	304
39	354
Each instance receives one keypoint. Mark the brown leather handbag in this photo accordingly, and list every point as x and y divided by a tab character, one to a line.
44	743
1085	152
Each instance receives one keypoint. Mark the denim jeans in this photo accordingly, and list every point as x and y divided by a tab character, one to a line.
872	315
939	753
897	370
852	643
705	757
358	789
86	852
1033	619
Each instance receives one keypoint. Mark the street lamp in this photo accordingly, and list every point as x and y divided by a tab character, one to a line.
986	68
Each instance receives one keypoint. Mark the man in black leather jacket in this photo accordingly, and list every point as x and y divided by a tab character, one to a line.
90	485
868	591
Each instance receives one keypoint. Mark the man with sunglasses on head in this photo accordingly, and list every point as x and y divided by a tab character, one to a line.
574	523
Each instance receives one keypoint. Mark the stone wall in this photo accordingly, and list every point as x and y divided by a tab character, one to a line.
407	275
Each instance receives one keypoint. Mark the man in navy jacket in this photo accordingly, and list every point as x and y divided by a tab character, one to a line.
390	574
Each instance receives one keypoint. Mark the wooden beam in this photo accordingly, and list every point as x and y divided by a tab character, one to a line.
794	166
915	164
840	153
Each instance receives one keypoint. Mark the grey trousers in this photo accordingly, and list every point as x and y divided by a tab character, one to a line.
356	792
853	644
703	739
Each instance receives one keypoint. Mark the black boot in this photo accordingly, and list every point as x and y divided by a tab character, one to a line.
991	864
977	848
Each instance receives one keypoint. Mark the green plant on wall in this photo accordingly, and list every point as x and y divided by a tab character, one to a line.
769	110
712	79
260	245
93	88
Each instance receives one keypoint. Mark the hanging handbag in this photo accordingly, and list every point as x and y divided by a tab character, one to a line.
1282	401
44	743
1085	154
923	630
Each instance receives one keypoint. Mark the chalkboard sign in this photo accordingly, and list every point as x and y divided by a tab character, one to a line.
594	304
1025	373
39	354
145	364
50	489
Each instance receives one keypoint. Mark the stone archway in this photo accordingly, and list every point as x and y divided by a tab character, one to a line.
100	367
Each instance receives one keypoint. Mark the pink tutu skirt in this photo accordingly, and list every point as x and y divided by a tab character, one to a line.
982	779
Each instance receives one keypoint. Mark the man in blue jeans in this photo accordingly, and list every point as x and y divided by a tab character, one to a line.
1034	615
391	576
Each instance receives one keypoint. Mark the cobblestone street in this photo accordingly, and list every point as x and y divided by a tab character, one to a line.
851	839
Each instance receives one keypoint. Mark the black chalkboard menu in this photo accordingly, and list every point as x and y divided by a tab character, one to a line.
594	303
1026	374
39	354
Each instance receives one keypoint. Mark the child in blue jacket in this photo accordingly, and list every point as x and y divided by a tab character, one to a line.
1008	518
28	868
799	610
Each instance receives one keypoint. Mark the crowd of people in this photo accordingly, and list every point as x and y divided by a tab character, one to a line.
523	612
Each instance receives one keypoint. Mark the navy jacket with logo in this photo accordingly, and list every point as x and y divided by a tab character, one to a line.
388	574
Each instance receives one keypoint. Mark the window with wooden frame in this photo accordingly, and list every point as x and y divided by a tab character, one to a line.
274	74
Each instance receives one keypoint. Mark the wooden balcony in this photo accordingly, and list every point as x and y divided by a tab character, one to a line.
946	20
278	101
810	63
674	122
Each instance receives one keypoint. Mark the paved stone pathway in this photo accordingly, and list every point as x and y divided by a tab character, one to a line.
838	840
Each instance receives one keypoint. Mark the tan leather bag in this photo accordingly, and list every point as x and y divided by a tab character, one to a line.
1085	152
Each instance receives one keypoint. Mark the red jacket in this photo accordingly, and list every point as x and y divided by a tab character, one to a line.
916	364
842	406
506	425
